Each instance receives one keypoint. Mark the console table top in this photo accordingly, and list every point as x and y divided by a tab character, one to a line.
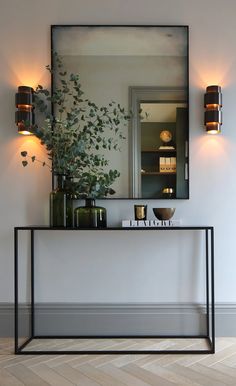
184	227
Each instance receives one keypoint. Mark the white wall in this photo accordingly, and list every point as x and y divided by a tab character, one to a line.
25	47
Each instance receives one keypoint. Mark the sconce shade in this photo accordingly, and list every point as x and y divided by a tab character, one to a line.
213	113
213	96
24	116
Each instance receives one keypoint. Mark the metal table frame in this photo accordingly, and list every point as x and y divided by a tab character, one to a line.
209	303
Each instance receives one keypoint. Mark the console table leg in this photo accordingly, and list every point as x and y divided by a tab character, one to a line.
212	291
32	283
207	283
16	320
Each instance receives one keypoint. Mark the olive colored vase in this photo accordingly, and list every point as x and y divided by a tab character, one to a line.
61	205
90	215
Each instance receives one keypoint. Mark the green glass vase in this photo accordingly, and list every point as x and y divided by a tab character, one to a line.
90	215
61	205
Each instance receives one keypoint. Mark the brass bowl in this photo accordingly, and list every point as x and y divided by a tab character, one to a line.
164	213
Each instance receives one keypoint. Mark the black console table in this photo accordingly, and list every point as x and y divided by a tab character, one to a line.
21	348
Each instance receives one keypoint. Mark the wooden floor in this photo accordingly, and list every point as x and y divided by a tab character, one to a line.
119	370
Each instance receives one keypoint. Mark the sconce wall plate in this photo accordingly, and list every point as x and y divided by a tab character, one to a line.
213	113
24	116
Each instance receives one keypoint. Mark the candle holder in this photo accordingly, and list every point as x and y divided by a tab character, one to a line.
140	212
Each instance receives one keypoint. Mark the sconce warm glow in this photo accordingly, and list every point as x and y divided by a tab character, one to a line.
212	106
24	107
24	132
212	129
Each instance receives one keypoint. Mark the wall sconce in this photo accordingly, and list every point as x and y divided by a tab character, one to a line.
213	114
24	116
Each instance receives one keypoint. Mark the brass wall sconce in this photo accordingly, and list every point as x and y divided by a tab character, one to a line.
24	116
213	113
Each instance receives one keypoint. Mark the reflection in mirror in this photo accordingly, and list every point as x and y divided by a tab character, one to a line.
160	142
139	67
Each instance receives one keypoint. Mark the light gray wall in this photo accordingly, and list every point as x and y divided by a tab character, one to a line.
25	47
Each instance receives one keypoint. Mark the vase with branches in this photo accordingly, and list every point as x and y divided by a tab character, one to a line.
76	133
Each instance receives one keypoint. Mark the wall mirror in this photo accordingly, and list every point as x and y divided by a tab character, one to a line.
145	69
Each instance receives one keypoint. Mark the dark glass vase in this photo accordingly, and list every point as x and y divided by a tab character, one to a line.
61	205
90	215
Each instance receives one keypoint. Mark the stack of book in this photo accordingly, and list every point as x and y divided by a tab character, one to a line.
150	223
167	164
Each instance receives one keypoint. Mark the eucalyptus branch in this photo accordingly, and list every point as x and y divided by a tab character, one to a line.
33	158
77	133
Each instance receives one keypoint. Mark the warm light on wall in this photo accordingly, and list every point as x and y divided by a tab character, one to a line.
213	114
24	116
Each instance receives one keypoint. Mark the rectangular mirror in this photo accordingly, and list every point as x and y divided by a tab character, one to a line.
145	70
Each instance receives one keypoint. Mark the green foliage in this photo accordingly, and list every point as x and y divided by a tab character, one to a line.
24	154
77	133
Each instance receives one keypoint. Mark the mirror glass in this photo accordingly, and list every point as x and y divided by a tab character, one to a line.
145	70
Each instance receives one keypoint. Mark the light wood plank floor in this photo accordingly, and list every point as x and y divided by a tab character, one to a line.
119	370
